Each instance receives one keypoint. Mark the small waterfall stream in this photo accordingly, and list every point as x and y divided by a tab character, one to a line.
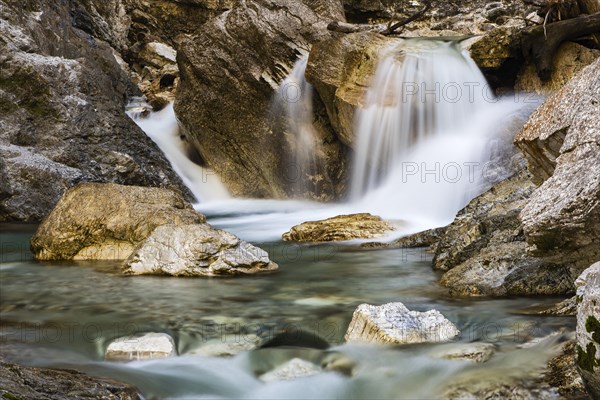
295	99
163	128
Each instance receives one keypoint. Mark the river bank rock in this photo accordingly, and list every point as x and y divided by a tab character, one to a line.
62	119
562	373
230	71
339	228
484	250
588	329
393	323
196	250
428	238
561	141
19	382
475	352
96	221
148	346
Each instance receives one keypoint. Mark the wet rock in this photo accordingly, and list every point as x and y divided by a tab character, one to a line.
293	369
196	250
484	249
18	382
341	69
233	66
145	347
562	373
476	352
393	323
341	227
565	307
561	141
570	58
107	221
62	119
588	328
426	238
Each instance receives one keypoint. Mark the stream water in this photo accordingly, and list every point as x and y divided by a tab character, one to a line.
64	314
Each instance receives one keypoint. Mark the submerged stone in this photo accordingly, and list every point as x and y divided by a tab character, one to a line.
293	369
393	323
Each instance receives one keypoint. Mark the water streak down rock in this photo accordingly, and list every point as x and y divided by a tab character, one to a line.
230	70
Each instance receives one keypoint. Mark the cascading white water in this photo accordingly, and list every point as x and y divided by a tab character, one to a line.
163	128
294	97
421	88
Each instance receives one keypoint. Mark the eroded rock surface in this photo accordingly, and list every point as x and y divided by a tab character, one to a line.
196	250
561	141
341	227
62	119
484	249
107	221
588	329
230	72
393	323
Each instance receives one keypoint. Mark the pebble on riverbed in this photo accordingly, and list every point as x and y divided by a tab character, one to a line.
146	347
293	369
393	323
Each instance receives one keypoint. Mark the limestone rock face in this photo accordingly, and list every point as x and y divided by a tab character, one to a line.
341	227
561	141
107	221
393	323
341	69
18	382
588	328
484	249
145	347
62	119
196	250
568	61
230	71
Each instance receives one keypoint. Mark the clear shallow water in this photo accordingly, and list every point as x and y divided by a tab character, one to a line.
65	314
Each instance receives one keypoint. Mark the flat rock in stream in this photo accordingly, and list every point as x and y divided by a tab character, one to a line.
19	382
196	250
339	228
393	323
293	369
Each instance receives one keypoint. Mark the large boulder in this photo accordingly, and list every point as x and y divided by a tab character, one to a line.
484	250
230	71
107	221
341	227
393	323
196	250
62	119
561	141
588	329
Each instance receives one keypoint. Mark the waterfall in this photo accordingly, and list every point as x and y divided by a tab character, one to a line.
295	99
421	88
163	128
427	134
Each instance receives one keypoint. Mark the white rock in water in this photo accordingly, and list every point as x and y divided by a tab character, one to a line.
149	346
393	323
196	250
293	369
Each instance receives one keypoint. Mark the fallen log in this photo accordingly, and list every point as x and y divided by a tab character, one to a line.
539	43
